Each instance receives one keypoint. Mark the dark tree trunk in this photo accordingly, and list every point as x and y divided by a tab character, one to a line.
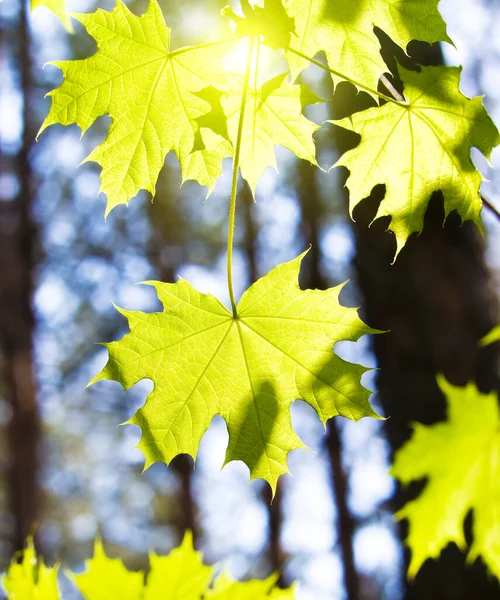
17	235
309	200
437	302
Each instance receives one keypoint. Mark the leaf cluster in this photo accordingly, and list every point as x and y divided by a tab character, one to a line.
180	574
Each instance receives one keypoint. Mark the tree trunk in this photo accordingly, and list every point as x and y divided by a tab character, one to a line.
17	235
309	200
437	302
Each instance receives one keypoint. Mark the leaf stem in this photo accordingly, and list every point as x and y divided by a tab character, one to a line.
185	49
345	78
234	185
388	85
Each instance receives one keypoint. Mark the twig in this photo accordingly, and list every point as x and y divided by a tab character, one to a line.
490	206
399	97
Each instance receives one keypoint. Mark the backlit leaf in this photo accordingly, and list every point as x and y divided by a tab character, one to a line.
203	362
273	116
419	148
30	579
343	30
150	94
461	460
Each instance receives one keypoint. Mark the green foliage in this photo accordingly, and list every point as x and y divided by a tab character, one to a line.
276	345
205	362
156	99
106	578
344	32
180	574
149	93
461	460
273	115
30	579
270	21
438	122
227	589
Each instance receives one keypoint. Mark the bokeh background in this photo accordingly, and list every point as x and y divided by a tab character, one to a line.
64	462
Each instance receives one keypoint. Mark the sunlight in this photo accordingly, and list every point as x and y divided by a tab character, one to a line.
266	61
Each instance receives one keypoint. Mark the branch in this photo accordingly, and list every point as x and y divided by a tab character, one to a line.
495	211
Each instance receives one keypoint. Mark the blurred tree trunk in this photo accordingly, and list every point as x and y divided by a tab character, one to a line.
437	302
17	322
311	209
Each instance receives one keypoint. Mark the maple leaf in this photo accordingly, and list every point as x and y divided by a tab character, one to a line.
273	116
226	588
106	578
181	574
461	460
269	21
248	369
149	93
344	32
397	140
30	579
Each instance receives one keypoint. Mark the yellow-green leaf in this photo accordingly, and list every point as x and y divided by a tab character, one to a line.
273	116
226	588
204	362
461	460
149	92
107	578
344	31
181	574
30	579
418	148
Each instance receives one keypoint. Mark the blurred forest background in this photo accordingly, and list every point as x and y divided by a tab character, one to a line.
64	463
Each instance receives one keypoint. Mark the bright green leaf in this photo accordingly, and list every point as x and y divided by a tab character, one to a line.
181	574
397	141
249	370
107	578
58	7
150	94
273	115
344	32
30	579
269	21
491	337
461	460
227	589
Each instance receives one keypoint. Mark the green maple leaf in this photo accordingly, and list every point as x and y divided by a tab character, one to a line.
273	116
58	7
30	579
418	148
149	92
270	21
181	574
248	370
461	460
106	578
226	588
344	32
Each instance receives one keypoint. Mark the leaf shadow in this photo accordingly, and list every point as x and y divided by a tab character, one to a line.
259	412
